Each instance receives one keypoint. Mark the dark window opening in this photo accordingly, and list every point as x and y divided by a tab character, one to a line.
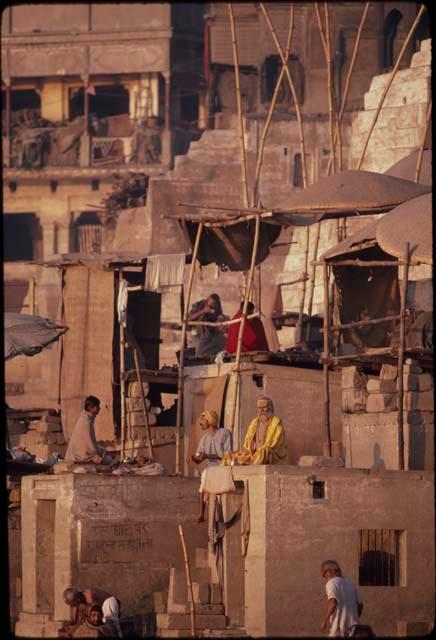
379	562
258	380
271	71
22	237
189	108
109	100
88	233
297	178
318	490
389	34
25	99
423	29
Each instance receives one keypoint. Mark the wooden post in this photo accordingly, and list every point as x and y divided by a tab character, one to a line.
326	356
388	86
293	91
8	122
188	581
404	284
421	148
243	317
349	74
312	278
144	404
329	84
167	99
255	199
239	104
299	328
122	380
180	382
86	104
32	296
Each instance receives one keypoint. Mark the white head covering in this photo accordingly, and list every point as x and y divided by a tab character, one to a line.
111	612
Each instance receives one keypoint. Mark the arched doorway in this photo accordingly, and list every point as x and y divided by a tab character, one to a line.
389	34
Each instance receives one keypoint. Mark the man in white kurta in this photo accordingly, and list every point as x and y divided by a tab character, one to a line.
83	446
345	605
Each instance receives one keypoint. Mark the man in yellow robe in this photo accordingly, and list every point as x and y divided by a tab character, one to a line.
265	442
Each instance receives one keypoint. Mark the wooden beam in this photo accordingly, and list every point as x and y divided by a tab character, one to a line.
421	148
403	292
326	353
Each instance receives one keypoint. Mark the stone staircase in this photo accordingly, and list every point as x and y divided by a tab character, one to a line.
173	608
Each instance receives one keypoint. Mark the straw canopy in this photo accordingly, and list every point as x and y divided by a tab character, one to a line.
410	222
347	193
28	335
406	167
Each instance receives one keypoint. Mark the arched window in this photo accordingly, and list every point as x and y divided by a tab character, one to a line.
389	34
297	178
423	29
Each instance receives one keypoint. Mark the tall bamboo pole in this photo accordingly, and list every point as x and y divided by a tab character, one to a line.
144	404
329	83
239	105
271	109
299	328
122	379
404	284
243	317
326	355
388	86
180	381
421	148
188	581
32	296
349	74
312	277
293	91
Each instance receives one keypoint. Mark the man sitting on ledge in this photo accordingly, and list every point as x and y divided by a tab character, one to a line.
265	442
83	446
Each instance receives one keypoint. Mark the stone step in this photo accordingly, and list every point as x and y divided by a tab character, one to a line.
202	633
201	557
421	58
426	45
200	609
178	592
413	92
183	621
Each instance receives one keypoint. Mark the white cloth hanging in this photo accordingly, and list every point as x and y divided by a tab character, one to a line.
164	270
122	303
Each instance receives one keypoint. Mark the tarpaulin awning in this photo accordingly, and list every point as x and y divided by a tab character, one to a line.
232	245
409	222
109	259
406	167
28	335
346	193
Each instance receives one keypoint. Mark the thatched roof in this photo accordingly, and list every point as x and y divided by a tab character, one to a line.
406	167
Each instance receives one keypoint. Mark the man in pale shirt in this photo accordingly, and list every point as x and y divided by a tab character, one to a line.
344	606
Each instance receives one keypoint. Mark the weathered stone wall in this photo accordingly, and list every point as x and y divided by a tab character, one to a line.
370	418
14	552
291	533
116	533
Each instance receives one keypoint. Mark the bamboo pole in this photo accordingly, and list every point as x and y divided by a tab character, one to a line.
312	277
362	323
350	72
299	329
243	318
271	109
293	91
180	381
329	63
32	296
388	86
239	105
404	284
122	380
188	581
421	148
224	323
144	404
364	263
326	355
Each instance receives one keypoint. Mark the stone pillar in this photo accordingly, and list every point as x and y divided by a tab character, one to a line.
167	117
48	240
7	137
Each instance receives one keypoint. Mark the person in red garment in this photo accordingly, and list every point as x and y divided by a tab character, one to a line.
254	338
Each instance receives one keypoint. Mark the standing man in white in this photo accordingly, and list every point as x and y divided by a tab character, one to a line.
344	606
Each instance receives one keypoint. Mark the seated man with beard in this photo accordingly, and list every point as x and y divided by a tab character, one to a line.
265	442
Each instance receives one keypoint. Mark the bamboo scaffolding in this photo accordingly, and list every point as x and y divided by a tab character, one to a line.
200	323
299	328
329	63
271	109
363	263
243	318
122	380
362	323
313	277
239	105
350	72
144	404
404	284
180	381
388	86
293	91
421	148
188	581
32	296
213	208
326	356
